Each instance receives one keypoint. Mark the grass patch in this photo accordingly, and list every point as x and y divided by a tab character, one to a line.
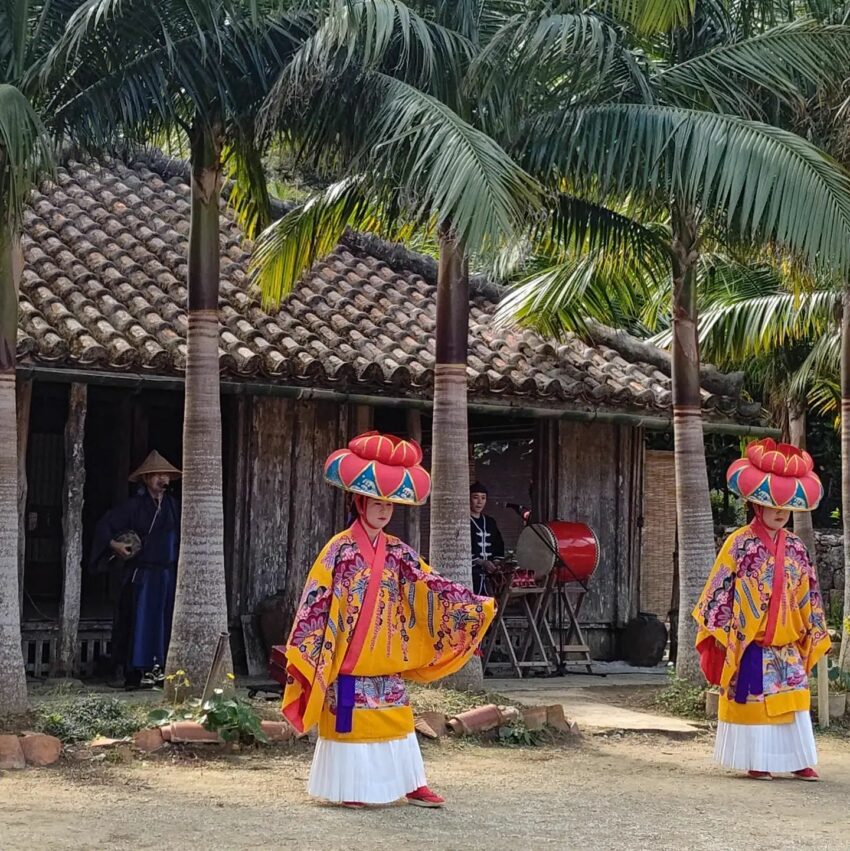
683	699
451	702
81	719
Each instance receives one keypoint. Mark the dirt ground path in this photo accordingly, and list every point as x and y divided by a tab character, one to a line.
637	792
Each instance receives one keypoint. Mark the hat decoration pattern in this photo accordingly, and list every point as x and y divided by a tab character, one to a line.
381	466
777	475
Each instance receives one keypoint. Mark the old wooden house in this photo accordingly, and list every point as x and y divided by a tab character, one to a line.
101	357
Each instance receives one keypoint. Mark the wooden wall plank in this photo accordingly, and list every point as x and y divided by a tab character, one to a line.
588	493
24	405
301	550
72	530
267	521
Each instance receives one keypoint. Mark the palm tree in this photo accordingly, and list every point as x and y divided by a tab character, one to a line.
753	316
403	107
693	146
388	111
26	31
126	72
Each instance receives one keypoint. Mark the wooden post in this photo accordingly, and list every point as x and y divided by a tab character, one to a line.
72	531
237	500
823	693
24	389
413	520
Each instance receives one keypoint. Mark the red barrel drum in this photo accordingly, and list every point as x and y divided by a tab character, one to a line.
576	543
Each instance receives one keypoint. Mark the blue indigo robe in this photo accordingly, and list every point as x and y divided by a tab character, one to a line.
148	580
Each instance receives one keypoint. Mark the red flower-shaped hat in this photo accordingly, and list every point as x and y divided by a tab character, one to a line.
381	466
777	475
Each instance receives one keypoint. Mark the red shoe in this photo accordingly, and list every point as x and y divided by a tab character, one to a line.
807	774
759	775
424	797
353	805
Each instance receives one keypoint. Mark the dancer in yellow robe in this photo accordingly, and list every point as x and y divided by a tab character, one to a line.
761	622
372	616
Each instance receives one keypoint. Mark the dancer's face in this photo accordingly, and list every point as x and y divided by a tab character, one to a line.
377	512
775	518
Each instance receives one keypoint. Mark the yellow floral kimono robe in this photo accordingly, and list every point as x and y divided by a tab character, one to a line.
761	630
370	618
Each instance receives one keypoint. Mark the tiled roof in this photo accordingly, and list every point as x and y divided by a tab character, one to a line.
104	288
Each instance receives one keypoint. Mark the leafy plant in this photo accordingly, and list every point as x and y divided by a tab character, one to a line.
839	681
233	718
682	698
517	734
85	718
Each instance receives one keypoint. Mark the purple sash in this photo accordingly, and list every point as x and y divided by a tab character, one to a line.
344	703
750	674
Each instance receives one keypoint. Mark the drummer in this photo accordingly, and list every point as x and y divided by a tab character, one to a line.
487	543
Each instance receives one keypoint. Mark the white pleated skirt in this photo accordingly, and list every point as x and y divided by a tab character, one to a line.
366	772
767	747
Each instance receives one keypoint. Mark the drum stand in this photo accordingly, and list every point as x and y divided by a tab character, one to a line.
560	590
533	637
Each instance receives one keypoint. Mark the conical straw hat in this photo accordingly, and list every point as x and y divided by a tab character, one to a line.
155	463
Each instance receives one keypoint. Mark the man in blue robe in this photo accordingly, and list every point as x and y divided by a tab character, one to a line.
142	623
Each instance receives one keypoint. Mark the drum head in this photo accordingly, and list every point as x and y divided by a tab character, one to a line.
535	554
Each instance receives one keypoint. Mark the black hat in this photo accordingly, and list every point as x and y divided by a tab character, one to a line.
477	487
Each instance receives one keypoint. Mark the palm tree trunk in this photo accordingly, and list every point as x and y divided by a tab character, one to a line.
13	683
803	526
450	548
200	608
844	655
693	505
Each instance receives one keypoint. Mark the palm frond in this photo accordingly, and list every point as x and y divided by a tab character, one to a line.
291	245
563	297
382	35
768	183
450	170
249	190
126	68
787	62
25	152
571	52
651	16
820	371
574	226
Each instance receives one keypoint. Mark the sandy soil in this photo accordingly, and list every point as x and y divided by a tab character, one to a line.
633	792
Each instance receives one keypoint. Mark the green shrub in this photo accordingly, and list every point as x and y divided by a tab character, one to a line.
84	718
682	698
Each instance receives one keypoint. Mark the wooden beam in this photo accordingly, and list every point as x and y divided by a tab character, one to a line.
72	530
413	520
24	394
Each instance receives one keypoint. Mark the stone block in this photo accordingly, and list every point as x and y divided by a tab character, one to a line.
557	720
278	731
11	754
40	749
149	740
535	717
436	721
